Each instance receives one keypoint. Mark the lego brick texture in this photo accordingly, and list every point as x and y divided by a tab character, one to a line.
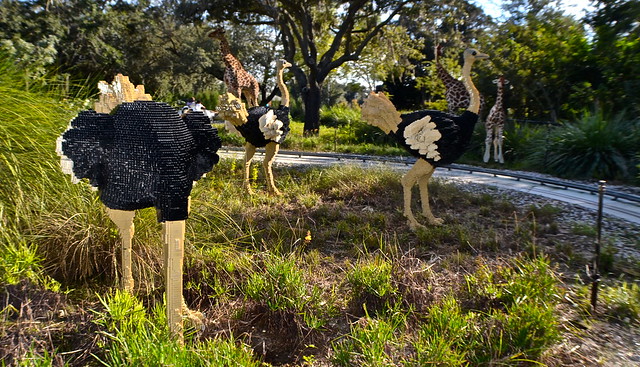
456	134
142	155
250	130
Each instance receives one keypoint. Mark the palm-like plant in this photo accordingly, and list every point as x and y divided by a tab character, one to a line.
596	146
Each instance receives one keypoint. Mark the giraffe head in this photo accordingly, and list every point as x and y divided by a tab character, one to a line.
501	81
218	33
378	110
232	109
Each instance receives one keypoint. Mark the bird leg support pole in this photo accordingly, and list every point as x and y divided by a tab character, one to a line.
123	219
595	273
249	151
174	232
423	184
271	150
408	180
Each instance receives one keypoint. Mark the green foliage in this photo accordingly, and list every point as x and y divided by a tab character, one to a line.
19	261
596	146
443	338
372	277
133	337
339	115
278	284
208	98
371	342
511	285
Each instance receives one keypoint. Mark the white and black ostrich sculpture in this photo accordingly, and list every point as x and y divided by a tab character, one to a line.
436	138
260	126
143	154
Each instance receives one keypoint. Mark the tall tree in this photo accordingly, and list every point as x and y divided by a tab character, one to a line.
616	53
544	54
317	36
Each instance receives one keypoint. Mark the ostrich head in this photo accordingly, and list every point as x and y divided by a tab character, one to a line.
378	111
281	64
217	33
471	54
232	109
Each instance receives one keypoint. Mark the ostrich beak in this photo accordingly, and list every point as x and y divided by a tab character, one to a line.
481	56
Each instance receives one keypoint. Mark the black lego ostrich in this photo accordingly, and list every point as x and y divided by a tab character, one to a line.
143	154
436	138
260	126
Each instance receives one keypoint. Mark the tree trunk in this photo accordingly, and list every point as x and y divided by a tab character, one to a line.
311	99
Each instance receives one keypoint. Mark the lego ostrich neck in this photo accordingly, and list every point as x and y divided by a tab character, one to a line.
281	65
474	106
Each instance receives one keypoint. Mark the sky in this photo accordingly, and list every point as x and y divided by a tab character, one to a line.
573	7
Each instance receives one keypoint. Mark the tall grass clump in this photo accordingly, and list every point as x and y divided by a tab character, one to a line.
518	303
371	282
132	337
597	146
371	342
443	337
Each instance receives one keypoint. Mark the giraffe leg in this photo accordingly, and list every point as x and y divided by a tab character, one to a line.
249	151
271	150
500	141
123	219
408	180
487	144
423	182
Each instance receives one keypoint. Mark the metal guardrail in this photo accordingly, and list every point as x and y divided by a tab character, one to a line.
614	194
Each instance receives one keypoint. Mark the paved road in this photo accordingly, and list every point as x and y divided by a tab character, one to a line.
620	208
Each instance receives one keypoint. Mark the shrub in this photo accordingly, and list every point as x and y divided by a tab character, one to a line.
338	115
596	146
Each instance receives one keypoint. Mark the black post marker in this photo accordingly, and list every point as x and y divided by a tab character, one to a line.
595	275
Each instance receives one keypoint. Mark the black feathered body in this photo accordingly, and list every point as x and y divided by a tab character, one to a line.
142	155
455	130
250	130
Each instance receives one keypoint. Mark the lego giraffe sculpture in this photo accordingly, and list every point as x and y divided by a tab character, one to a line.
239	82
495	124
456	93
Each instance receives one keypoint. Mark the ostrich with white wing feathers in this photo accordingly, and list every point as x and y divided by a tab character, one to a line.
436	138
260	126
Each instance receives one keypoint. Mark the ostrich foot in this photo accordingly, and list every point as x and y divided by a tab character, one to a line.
414	225
193	319
274	191
434	221
247	187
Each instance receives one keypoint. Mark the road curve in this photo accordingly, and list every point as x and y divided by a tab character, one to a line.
615	206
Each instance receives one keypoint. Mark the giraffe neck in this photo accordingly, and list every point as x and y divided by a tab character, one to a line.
227	56
500	93
443	75
474	106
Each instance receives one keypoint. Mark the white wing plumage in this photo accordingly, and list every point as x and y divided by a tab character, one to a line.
422	136
270	126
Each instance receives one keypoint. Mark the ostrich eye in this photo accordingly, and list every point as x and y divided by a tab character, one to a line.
474	53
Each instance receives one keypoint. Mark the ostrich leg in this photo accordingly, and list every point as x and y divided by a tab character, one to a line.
249	151
423	182
173	261
123	219
271	150
408	180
